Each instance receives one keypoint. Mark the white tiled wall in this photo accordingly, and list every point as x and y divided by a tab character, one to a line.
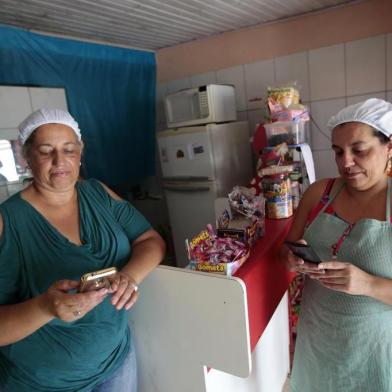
258	76
358	98
294	68
242	116
321	111
255	117
365	65
234	75
324	163
326	72
178	84
204	78
329	79
389	62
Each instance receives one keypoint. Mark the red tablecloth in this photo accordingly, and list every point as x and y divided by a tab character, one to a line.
265	277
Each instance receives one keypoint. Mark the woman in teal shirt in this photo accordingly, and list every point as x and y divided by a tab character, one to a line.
53	338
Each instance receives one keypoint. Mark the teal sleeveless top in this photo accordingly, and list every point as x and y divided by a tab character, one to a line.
344	342
64	356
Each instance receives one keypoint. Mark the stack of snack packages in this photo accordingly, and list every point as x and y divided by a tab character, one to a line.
283	104
278	174
246	219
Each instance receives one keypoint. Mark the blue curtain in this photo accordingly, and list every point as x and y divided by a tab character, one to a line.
110	92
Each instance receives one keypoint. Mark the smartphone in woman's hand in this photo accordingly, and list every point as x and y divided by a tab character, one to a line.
304	251
97	280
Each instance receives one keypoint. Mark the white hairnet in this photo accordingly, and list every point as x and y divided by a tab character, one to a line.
46	116
374	112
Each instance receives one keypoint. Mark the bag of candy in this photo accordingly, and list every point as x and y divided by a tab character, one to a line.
209	253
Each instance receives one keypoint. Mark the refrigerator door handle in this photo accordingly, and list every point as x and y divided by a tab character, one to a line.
182	188
187	178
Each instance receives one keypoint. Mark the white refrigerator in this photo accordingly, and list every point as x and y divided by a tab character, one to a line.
200	164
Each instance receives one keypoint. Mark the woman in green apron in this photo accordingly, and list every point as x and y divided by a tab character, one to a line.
344	340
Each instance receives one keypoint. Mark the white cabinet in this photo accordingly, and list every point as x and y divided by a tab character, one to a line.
186	321
17	102
15	105
51	98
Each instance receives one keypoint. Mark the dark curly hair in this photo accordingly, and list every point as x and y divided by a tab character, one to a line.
381	137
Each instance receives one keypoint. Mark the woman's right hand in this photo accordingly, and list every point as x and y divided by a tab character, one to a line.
295	264
68	307
290	260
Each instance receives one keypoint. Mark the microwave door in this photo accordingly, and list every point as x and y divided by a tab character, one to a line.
183	106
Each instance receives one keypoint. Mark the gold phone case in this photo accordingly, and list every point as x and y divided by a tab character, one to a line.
97	279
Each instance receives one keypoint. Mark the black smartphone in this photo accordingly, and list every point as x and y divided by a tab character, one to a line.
303	251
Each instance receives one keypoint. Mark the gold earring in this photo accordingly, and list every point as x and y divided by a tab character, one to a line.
389	166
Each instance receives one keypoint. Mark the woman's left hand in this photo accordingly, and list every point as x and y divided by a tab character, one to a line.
124	290
344	277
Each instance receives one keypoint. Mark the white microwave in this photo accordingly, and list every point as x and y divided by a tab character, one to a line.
212	103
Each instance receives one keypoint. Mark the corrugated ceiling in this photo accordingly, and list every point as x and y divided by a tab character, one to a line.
150	24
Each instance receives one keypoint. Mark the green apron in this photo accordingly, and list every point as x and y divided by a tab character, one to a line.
344	342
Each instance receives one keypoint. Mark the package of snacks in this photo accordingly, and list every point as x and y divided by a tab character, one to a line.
245	203
245	230
280	98
283	104
299	113
209	253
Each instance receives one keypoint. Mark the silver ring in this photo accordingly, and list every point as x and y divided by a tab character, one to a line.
77	313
